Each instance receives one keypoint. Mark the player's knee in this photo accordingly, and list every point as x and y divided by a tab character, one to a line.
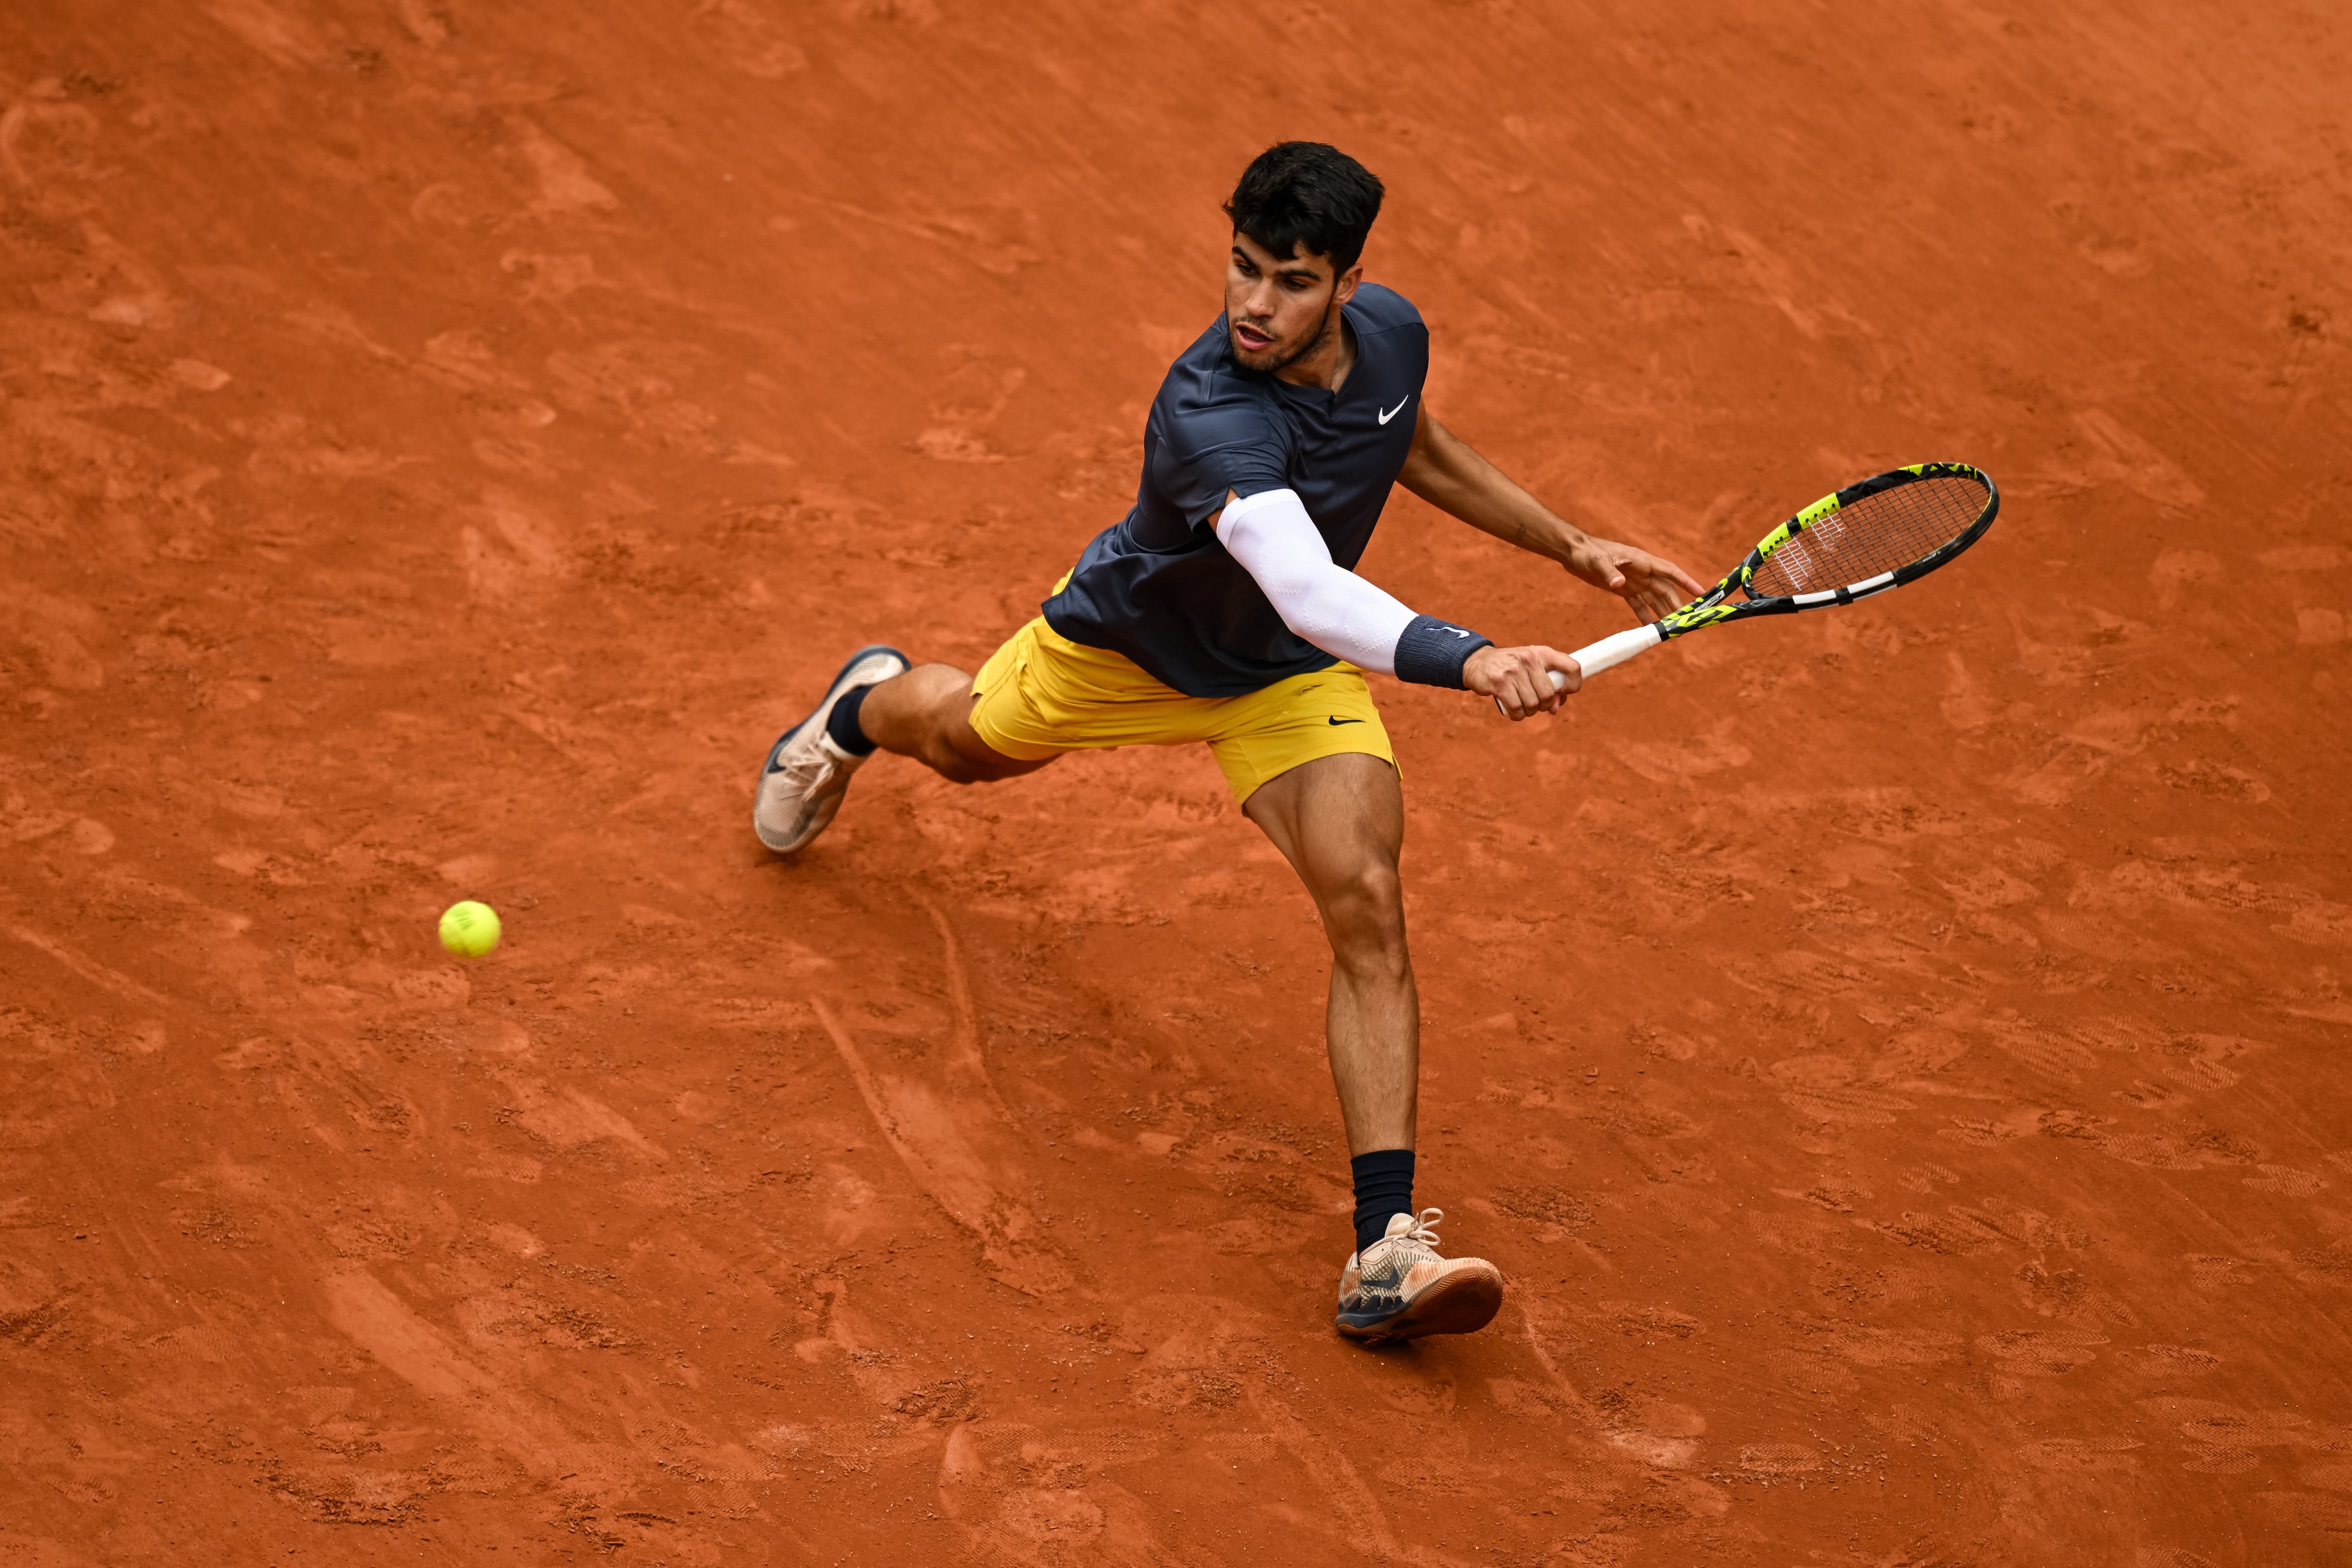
958	768
953	766
1365	903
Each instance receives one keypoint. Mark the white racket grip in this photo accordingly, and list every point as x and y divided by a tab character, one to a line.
1608	653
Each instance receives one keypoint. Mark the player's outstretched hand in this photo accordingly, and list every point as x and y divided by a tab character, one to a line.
1519	679
1651	584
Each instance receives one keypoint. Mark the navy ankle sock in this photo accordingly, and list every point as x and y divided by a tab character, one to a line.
843	723
1383	1188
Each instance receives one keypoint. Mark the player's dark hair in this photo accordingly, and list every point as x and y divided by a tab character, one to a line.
1300	195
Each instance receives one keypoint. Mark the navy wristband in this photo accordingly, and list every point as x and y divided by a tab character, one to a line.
1430	652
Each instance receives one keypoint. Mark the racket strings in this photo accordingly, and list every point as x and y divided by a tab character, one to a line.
1878	533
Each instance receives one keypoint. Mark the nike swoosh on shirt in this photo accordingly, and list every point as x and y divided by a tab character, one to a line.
1388	414
1344	721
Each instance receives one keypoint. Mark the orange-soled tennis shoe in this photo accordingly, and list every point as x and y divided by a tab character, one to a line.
1399	1288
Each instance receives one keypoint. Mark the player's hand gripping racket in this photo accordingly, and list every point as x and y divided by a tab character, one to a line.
1864	539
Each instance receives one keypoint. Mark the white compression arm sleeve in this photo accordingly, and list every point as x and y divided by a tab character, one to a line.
1283	550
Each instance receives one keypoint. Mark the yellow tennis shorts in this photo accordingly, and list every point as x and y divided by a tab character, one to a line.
1042	695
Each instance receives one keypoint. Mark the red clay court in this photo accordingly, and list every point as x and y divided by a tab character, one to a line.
1896	1056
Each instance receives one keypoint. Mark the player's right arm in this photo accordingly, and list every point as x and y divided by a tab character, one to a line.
1275	541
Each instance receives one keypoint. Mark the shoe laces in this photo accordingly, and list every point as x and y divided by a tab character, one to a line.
1423	1231
1425	1227
805	771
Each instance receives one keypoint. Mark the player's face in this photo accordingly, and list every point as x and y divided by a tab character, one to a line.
1280	309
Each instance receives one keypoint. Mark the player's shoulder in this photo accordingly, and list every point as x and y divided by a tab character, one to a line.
1207	400
1377	307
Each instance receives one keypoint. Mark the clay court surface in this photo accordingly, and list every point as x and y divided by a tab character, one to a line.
1897	1056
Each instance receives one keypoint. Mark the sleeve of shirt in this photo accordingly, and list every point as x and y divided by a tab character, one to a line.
1231	445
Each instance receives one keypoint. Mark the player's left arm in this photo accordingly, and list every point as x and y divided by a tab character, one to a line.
1443	470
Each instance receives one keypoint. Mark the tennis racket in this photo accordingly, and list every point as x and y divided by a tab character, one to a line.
1866	538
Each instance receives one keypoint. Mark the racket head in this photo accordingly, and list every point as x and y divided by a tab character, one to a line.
1880	533
1887	531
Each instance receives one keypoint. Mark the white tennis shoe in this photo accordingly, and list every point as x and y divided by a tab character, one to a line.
806	774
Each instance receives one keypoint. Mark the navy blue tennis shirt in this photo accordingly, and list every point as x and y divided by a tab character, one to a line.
1159	588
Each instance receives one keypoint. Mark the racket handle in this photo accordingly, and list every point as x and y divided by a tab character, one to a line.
1608	653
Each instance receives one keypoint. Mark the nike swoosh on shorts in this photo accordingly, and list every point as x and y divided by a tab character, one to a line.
1344	721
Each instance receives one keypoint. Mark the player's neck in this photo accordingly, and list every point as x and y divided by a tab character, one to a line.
1328	365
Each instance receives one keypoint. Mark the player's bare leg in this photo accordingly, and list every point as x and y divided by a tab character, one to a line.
926	714
1339	821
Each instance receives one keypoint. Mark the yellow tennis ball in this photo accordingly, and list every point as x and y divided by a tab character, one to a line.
469	929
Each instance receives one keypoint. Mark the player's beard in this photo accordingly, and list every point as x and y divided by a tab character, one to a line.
1322	335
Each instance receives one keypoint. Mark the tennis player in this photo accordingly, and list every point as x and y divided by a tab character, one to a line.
1224	610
